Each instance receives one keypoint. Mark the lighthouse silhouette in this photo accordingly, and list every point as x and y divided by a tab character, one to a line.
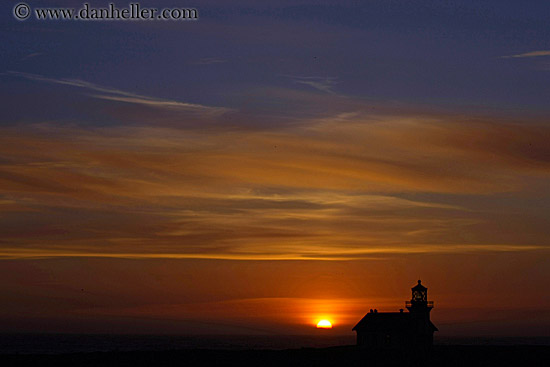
399	330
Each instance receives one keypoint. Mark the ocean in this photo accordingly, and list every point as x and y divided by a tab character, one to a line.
75	343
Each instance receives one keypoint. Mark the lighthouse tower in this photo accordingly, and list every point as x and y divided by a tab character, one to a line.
419	308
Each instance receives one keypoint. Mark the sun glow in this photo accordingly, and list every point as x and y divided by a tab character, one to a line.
324	324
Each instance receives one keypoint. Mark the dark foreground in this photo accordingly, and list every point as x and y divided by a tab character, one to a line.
337	356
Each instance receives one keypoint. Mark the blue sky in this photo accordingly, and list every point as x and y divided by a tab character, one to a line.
429	53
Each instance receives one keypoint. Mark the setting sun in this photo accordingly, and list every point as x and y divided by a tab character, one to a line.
324	324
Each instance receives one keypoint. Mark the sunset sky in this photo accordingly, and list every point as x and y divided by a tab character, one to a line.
275	163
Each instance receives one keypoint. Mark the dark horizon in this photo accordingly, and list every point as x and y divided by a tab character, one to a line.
23	343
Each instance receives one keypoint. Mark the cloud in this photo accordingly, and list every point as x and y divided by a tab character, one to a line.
323	254
118	95
31	55
210	61
167	104
528	54
324	84
352	187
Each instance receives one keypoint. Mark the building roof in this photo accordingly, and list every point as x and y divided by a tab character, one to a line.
419	287
388	321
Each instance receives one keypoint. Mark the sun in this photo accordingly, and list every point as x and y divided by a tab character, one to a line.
324	324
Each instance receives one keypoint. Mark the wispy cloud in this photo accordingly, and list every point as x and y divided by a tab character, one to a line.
528	54
324	84
358	187
118	95
210	61
337	254
32	55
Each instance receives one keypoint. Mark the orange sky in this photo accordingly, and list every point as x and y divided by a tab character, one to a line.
157	229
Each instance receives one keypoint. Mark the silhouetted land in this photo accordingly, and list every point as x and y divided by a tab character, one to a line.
442	355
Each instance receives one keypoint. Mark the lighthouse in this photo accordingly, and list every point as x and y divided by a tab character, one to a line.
411	330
